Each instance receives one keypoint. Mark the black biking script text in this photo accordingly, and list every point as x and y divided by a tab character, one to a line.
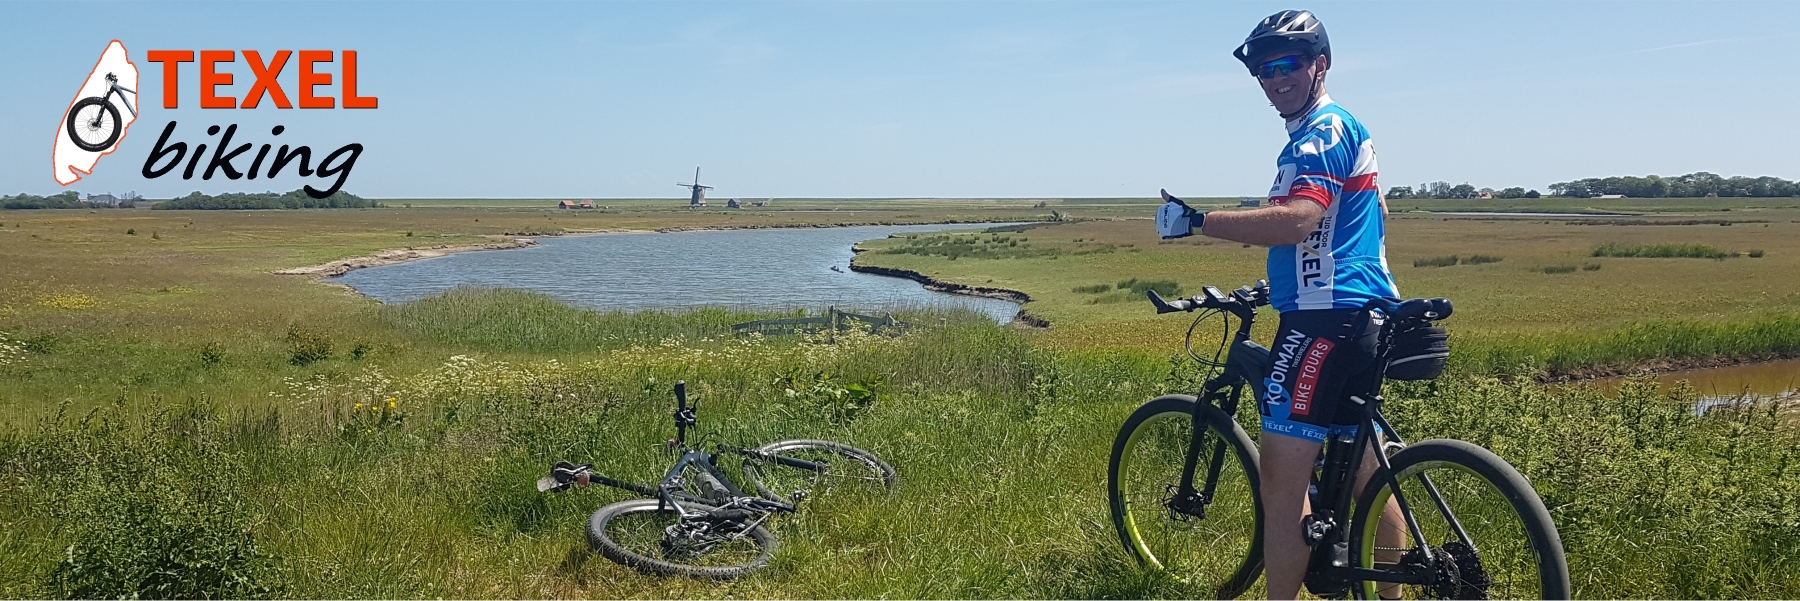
338	163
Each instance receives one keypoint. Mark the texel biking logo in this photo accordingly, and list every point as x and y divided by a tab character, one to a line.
94	125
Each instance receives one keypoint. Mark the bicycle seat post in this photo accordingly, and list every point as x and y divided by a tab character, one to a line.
684	416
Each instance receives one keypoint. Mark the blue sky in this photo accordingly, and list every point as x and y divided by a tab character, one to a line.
939	99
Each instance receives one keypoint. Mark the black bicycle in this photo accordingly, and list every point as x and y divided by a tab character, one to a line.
1183	482
695	521
94	121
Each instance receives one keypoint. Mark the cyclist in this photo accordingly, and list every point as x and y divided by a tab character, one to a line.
1327	258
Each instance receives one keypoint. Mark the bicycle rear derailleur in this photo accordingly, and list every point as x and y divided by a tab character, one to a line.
1457	567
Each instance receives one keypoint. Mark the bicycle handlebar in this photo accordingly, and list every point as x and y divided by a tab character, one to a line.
1248	298
1242	300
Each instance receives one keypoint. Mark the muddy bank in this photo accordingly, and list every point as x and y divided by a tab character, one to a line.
391	257
933	285
1656	367
772	226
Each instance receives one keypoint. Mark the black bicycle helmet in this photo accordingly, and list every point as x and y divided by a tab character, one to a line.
1296	29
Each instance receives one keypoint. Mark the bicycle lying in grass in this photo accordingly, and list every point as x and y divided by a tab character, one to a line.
1184	492
695	521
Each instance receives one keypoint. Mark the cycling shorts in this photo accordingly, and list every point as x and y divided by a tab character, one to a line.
1320	358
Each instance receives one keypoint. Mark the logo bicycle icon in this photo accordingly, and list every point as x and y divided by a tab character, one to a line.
93	126
94	122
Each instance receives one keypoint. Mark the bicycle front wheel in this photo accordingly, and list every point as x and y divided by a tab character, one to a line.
1487	533
649	536
792	471
1213	540
94	124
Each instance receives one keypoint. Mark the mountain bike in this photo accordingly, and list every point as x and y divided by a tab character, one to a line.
94	121
1183	485
696	522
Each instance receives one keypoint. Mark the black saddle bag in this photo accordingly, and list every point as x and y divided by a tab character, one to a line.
1418	352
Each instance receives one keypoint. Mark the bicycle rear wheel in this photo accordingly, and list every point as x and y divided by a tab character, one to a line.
1511	549
647	535
1217	546
840	467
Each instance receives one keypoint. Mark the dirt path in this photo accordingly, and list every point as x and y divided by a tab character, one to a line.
390	257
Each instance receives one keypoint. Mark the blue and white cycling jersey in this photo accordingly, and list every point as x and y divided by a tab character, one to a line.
1343	264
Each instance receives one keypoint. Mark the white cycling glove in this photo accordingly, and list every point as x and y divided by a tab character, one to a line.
1177	220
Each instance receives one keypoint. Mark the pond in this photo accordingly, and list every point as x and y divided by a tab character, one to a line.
777	268
1723	386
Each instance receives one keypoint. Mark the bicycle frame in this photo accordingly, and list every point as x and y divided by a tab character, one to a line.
115	88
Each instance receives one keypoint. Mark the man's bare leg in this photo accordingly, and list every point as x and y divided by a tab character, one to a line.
1287	465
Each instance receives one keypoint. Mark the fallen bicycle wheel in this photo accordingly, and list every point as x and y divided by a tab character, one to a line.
792	471
647	535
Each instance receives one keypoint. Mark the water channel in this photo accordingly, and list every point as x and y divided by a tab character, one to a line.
1723	386
781	268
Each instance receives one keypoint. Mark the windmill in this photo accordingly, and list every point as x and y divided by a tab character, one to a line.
699	198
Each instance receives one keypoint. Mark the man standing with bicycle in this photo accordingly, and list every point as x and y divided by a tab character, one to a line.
1327	259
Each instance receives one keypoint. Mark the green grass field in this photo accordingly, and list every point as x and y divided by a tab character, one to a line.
1508	307
175	421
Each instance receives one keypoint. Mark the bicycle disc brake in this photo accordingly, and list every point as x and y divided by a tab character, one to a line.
1447	582
1183	508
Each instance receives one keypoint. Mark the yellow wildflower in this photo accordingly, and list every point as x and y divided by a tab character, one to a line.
70	301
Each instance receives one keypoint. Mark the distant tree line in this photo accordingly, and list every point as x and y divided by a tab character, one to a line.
297	199
69	199
65	200
1462	190
1681	186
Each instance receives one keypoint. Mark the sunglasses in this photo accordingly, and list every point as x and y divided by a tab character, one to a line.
1279	67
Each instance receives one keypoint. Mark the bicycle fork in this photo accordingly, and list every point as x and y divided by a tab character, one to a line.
1184	499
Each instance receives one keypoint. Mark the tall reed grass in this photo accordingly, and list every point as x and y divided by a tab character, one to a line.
1673	340
376	480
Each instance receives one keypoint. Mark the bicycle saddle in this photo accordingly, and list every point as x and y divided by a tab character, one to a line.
1430	309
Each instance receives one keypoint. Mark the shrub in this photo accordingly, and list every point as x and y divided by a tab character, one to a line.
1481	259
819	395
1756	254
1094	289
1661	251
1590	267
152	512
1435	261
307	347
1138	287
1559	269
131	232
212	354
